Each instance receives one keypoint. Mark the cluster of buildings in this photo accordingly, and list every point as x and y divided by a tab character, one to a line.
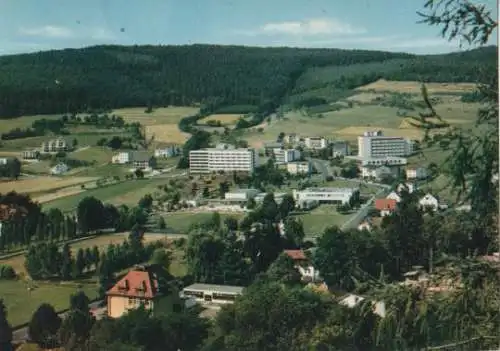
52	146
137	159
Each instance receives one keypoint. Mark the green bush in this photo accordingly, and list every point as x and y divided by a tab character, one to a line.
7	272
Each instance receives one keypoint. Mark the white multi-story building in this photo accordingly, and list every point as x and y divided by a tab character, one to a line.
286	155
166	152
299	167
122	157
375	145
227	160
325	195
315	143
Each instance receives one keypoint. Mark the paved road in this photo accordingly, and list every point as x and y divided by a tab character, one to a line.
22	334
322	166
356	219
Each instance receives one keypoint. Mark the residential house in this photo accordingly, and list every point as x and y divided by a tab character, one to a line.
409	187
122	157
138	287
340	148
54	145
352	300
315	143
291	138
303	265
59	169
416	173
166	152
429	201
385	206
394	195
30	155
304	167
142	160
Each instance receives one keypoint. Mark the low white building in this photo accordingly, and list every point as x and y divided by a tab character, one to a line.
282	156
291	138
122	158
352	300
365	225
166	152
378	172
409	187
242	195
299	167
416	173
315	142
325	195
59	169
383	161
394	195
429	201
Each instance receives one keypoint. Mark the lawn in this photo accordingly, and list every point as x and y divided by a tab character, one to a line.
168	133
21	303
316	221
180	222
127	192
103	170
162	115
94	153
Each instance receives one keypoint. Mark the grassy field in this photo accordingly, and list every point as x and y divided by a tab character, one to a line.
22	122
21	303
103	170
180	222
316	221
95	153
162	123
127	193
84	139
225	119
383	85
42	184
157	116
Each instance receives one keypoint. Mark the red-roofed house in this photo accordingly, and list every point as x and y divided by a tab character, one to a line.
138	287
385	206
305	268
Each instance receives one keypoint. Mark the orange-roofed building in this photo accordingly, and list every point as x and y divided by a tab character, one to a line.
386	206
138	287
305	268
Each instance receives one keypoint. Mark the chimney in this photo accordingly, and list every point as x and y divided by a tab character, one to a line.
126	284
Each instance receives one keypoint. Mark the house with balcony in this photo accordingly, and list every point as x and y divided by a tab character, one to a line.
302	263
54	146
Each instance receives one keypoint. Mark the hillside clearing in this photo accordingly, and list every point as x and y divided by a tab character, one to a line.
162	115
415	87
167	133
225	119
41	184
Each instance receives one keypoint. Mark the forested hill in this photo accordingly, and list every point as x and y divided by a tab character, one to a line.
118	76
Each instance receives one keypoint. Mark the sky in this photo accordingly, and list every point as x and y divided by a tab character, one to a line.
34	25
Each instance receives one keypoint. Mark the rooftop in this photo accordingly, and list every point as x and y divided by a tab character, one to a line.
385	204
331	190
140	156
136	283
296	254
215	288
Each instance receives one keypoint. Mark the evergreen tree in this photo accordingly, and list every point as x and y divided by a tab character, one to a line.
67	262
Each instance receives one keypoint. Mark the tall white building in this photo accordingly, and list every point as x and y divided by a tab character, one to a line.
374	145
227	160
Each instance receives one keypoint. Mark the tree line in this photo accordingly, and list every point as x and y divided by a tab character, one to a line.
121	76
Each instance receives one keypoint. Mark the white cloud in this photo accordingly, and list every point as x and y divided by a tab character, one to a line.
47	32
309	28
102	34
